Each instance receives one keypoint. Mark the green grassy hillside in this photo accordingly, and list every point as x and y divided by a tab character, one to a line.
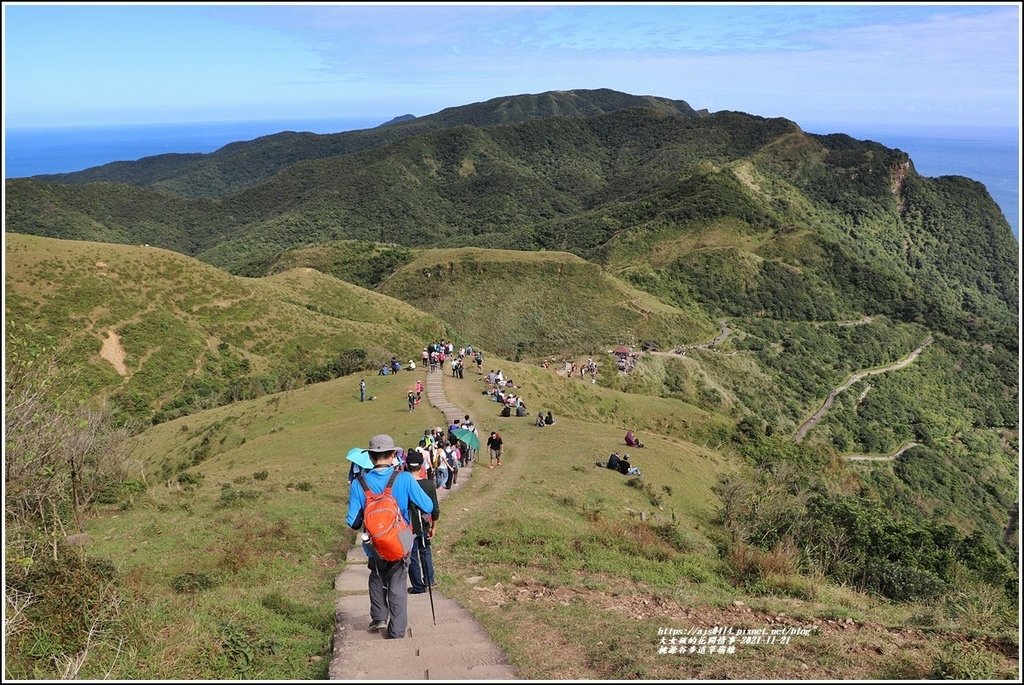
225	562
538	303
746	215
189	335
364	263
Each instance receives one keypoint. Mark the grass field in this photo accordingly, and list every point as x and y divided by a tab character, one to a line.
188	334
227	551
260	519
230	562
517	303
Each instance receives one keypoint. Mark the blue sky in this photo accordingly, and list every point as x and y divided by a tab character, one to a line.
914	64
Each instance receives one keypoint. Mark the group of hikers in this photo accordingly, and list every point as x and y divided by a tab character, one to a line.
571	368
395	503
434	355
390	367
377	498
405	483
511	404
442	454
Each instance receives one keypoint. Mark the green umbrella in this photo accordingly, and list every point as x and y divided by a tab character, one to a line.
468	437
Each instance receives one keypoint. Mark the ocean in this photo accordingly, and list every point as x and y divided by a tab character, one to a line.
988	155
32	151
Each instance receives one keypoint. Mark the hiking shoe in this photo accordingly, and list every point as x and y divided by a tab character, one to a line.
414	591
377	625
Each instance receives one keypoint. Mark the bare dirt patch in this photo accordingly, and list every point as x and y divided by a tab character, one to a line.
113	352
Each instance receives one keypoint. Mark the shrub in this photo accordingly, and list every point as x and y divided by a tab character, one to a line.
60	455
747	564
229	496
260	475
192	582
190	478
902	667
117	492
70	594
318	619
899	581
674	535
963	662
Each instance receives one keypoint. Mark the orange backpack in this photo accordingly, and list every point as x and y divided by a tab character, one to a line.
390	536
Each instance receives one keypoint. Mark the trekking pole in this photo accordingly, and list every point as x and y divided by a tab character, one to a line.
426	578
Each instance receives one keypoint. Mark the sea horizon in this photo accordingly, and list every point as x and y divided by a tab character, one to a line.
987	154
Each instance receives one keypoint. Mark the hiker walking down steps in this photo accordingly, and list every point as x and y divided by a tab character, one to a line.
421	566
378	502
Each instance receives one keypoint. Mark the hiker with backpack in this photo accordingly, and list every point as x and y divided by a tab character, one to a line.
451	460
421	561
379	503
439	462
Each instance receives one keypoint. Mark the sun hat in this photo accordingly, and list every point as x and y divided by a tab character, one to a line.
381	443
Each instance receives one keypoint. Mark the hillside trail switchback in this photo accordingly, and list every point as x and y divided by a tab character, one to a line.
457	648
855	377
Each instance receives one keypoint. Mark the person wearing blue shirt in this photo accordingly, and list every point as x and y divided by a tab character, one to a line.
387	583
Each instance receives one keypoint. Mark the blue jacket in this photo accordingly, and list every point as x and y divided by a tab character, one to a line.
404	490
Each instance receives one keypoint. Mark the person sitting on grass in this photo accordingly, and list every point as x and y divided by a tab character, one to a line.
540	420
549	419
613	461
632	440
627	469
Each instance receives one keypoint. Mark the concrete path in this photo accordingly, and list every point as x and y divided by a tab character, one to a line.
457	648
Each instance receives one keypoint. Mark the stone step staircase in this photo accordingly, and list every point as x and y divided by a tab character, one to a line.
456	648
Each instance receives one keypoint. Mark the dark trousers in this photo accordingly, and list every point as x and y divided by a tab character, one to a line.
420	556
388	596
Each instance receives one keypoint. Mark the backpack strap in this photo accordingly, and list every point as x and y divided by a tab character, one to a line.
387	488
391	481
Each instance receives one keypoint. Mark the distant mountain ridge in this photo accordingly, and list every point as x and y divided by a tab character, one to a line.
398	120
745	214
242	165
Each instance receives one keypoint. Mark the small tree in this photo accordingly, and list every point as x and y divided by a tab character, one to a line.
60	453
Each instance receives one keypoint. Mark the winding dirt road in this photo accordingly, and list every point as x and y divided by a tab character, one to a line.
809	423
680	350
883	457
